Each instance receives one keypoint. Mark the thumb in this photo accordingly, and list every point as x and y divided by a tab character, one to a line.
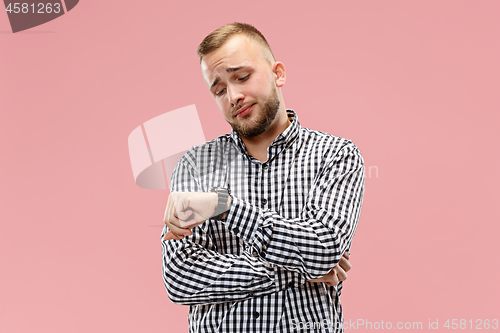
186	214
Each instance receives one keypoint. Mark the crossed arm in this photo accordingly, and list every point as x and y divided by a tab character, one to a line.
185	210
280	253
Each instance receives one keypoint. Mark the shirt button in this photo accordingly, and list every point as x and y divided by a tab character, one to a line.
264	166
264	201
256	314
289	285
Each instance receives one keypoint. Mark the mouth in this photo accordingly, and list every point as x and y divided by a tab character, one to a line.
243	111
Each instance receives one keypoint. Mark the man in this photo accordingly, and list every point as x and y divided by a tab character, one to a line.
259	221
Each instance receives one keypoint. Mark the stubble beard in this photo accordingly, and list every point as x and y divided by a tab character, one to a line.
263	121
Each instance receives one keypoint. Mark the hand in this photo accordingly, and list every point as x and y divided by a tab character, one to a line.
337	274
185	210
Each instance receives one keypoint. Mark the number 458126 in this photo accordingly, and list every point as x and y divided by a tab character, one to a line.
39	8
478	324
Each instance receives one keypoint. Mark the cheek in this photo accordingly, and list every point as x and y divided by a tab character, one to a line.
224	108
264	86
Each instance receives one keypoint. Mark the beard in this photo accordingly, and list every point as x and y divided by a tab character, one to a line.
263	120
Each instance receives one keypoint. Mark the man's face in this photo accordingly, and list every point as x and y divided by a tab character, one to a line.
241	79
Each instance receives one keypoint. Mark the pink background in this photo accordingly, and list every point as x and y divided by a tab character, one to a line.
415	84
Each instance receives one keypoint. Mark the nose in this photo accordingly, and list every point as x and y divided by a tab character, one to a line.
234	95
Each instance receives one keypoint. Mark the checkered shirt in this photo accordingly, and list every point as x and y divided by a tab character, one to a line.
290	220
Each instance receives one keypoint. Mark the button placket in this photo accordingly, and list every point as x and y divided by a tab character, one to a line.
264	189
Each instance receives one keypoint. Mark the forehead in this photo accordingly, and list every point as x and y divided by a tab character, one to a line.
237	51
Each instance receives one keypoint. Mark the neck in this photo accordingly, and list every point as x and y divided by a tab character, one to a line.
257	146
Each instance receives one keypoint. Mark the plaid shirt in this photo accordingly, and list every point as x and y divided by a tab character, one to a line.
290	220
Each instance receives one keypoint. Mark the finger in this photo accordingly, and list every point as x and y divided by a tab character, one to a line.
166	219
183	215
186	214
332	281
340	273
168	210
346	255
181	209
170	235
173	222
179	230
190	219
345	264
336	279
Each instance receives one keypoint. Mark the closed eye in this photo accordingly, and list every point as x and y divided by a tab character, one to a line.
220	92
241	79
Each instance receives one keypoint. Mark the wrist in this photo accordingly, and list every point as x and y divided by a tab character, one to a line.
223	202
228	204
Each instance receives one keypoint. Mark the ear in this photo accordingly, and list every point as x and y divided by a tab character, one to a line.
280	73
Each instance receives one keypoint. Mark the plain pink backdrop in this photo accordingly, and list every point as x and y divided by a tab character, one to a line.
414	84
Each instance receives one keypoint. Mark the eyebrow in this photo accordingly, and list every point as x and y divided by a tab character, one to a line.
229	70
234	69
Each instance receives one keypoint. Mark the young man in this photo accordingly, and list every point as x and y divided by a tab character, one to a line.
259	221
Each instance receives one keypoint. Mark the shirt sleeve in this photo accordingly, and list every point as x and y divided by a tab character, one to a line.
195	273
314	243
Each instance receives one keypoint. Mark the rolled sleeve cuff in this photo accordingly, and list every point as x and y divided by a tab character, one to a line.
243	220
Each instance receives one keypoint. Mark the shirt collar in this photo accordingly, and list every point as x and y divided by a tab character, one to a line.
289	135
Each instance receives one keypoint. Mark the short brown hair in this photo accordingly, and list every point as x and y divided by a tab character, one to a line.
218	37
